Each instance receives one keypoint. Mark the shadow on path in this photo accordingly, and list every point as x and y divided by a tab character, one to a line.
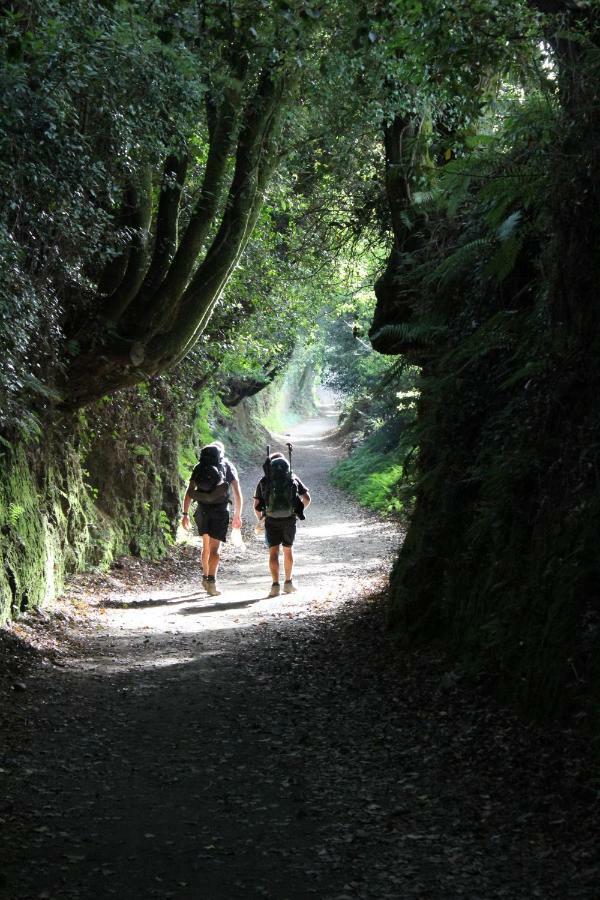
152	602
219	607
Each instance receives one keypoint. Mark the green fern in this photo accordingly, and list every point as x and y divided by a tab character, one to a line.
426	198
39	387
15	512
504	259
510	225
529	370
409	333
453	266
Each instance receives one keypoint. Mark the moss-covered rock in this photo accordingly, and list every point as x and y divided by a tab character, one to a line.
26	545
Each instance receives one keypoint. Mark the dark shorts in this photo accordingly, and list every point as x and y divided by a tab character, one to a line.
280	531
212	519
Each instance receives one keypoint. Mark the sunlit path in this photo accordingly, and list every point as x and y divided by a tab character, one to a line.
340	550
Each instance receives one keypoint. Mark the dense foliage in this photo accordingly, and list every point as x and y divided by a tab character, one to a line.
196	199
494	300
137	175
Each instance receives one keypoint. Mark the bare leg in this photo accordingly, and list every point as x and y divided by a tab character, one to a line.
274	563
214	557
288	562
205	554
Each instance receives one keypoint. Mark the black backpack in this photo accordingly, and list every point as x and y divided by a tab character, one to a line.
210	477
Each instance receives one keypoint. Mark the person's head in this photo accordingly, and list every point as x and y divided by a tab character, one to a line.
278	458
214	446
220	447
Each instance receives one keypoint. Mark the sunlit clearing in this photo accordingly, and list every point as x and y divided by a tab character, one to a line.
343	529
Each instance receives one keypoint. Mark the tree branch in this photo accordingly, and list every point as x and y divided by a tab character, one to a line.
153	310
138	255
254	165
165	242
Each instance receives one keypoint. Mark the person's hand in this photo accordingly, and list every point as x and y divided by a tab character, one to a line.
185	521
236	522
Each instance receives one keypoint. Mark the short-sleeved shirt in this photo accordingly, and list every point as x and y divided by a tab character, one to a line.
260	492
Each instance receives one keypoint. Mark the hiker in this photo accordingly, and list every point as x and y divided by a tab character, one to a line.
279	498
213	481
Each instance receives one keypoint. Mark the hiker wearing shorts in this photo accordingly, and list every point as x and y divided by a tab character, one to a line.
212	483
280	523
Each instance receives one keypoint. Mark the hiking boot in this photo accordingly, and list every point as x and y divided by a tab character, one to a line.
275	590
204	580
289	587
211	587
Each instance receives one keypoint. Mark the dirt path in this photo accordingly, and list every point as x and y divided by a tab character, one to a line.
340	551
240	747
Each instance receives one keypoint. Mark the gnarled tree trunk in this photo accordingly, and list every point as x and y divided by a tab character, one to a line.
155	300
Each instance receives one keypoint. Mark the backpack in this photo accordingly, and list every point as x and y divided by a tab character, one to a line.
210	480
281	492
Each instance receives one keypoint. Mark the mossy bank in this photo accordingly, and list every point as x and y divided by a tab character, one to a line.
92	488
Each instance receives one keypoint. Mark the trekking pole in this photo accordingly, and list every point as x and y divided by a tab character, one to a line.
293	490
267	468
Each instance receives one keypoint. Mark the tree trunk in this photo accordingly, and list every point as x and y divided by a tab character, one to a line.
396	307
577	197
164	301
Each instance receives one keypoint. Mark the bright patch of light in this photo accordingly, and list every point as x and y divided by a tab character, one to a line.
342	529
548	60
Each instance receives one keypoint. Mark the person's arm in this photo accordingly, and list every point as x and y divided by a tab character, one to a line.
259	503
238	503
185	520
303	493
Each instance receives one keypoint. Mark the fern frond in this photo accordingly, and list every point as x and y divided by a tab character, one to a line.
510	224
454	265
529	370
394	372
39	387
504	259
426	198
409	333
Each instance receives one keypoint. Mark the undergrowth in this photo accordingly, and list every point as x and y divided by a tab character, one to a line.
377	479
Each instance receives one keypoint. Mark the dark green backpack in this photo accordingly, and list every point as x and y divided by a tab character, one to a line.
281	491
